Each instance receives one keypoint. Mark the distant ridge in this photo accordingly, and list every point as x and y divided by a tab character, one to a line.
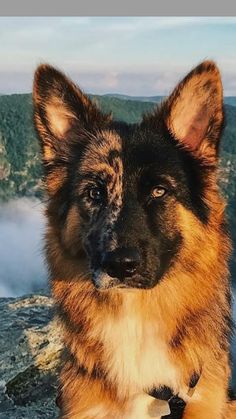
155	99
228	100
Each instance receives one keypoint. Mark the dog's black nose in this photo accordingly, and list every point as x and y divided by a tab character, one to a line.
122	262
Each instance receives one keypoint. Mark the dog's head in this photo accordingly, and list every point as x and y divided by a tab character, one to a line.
122	192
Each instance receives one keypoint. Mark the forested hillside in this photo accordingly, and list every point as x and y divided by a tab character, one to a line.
20	168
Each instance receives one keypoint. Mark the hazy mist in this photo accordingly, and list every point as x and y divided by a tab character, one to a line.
22	269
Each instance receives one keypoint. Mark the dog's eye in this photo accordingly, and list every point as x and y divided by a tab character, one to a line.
95	194
158	192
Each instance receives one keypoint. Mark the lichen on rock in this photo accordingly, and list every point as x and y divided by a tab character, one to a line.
30	348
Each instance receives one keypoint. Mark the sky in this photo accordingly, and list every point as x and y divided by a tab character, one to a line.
129	55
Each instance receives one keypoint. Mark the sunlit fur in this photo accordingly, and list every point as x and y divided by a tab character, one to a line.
122	342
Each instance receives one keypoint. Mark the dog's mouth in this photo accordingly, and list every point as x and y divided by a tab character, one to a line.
103	281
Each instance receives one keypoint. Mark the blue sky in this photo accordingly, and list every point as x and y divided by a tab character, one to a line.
131	55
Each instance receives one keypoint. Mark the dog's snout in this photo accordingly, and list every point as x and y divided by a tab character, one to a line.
122	262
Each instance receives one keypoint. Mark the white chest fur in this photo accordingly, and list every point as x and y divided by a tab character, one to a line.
138	358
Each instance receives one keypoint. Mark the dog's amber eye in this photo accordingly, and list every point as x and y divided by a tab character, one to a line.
158	192
95	194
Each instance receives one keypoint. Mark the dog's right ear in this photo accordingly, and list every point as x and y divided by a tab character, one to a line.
194	111
61	111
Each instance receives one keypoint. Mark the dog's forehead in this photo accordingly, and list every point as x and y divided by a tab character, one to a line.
111	153
102	153
150	152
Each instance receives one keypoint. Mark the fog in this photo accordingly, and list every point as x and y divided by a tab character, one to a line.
22	269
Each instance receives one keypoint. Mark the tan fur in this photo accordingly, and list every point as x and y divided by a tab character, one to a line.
56	178
59	117
96	160
193	103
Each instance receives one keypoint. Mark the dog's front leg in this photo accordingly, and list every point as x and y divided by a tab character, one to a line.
209	400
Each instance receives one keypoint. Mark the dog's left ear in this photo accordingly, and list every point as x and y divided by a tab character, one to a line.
193	113
61	111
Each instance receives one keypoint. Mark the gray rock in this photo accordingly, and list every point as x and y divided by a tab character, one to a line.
30	348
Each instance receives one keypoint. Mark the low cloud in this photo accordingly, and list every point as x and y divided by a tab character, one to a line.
22	268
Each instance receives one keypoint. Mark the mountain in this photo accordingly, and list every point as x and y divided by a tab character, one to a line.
228	100
20	166
123	108
155	99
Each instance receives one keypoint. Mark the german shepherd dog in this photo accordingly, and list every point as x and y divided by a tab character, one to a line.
137	249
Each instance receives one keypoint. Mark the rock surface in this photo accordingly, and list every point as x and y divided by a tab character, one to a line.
30	348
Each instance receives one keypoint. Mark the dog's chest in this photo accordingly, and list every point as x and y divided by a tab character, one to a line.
138	359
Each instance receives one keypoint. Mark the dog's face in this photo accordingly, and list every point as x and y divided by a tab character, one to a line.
119	189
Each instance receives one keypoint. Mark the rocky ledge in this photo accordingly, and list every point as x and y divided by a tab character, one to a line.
30	348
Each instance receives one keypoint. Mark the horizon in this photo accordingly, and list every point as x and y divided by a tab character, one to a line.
105	94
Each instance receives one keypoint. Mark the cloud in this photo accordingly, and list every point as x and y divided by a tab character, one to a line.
94	39
147	23
132	55
140	82
22	269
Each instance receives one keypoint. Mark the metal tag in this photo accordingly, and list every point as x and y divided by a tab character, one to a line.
158	408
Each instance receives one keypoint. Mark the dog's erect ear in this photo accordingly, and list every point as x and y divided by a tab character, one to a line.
61	108
194	111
